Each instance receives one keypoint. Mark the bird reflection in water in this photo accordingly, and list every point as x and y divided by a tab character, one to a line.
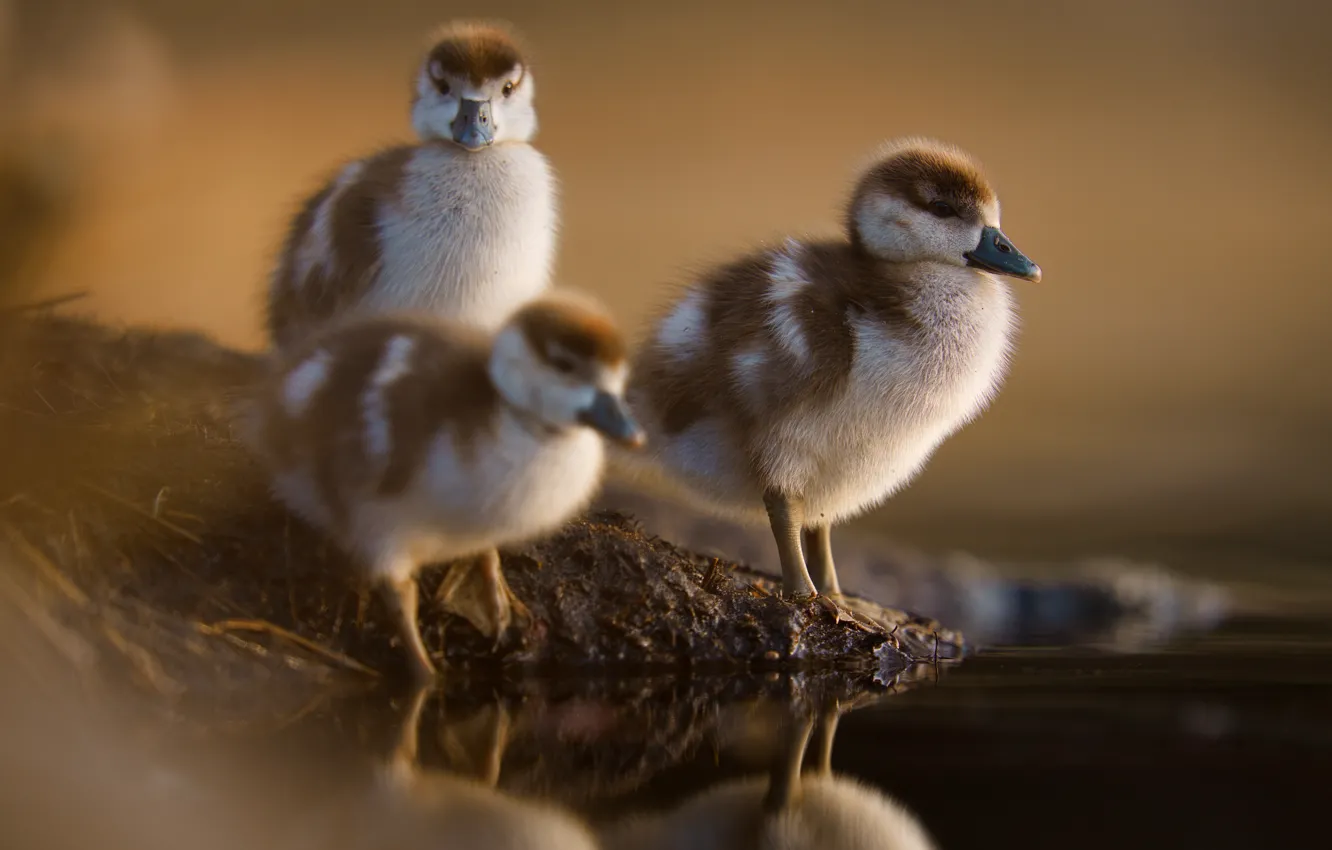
443	810
800	804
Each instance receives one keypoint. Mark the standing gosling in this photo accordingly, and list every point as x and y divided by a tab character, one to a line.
462	224
817	378
413	441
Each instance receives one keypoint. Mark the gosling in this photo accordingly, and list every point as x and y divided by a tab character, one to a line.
461	224
412	441
816	378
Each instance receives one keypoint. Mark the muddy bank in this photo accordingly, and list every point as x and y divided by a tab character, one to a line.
143	536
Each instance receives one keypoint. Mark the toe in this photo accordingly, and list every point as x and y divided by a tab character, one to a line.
842	612
466	595
522	615
423	671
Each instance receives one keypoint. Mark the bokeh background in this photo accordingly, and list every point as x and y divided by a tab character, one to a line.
1166	161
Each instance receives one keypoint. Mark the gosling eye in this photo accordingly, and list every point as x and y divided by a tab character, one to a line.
562	364
508	89
942	209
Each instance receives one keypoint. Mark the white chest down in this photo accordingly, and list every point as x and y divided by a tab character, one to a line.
900	402
517	487
473	236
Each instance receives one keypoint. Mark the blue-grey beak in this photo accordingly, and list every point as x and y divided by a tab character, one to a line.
473	127
608	415
996	254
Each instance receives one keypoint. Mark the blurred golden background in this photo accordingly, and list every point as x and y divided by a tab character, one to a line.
1165	161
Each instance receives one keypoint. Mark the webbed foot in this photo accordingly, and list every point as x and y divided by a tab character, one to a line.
476	591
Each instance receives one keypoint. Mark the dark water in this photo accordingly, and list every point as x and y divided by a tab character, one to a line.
1219	741
1223	740
1215	740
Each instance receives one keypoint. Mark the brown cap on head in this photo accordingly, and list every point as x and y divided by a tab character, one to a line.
479	51
564	323
924	171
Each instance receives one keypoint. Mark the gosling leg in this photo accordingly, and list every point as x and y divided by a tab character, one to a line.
784	781
475	589
824	733
499	743
407	752
403	767
786	514
401	595
508	608
819	557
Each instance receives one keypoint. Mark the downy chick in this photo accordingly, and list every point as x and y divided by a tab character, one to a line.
462	224
415	441
816	378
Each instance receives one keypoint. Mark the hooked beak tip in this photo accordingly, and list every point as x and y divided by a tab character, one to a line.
472	146
996	254
609	416
635	440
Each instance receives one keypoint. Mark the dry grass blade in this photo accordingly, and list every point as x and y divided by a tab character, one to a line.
144	663
46	567
146	514
333	656
80	654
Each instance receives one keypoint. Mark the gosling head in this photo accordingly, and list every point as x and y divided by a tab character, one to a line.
561	361
924	201
474	89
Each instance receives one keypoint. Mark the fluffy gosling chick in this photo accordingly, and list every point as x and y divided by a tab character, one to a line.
413	441
816	378
462	224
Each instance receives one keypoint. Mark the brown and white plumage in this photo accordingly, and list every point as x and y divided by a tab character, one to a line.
462	224
812	380
412	441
